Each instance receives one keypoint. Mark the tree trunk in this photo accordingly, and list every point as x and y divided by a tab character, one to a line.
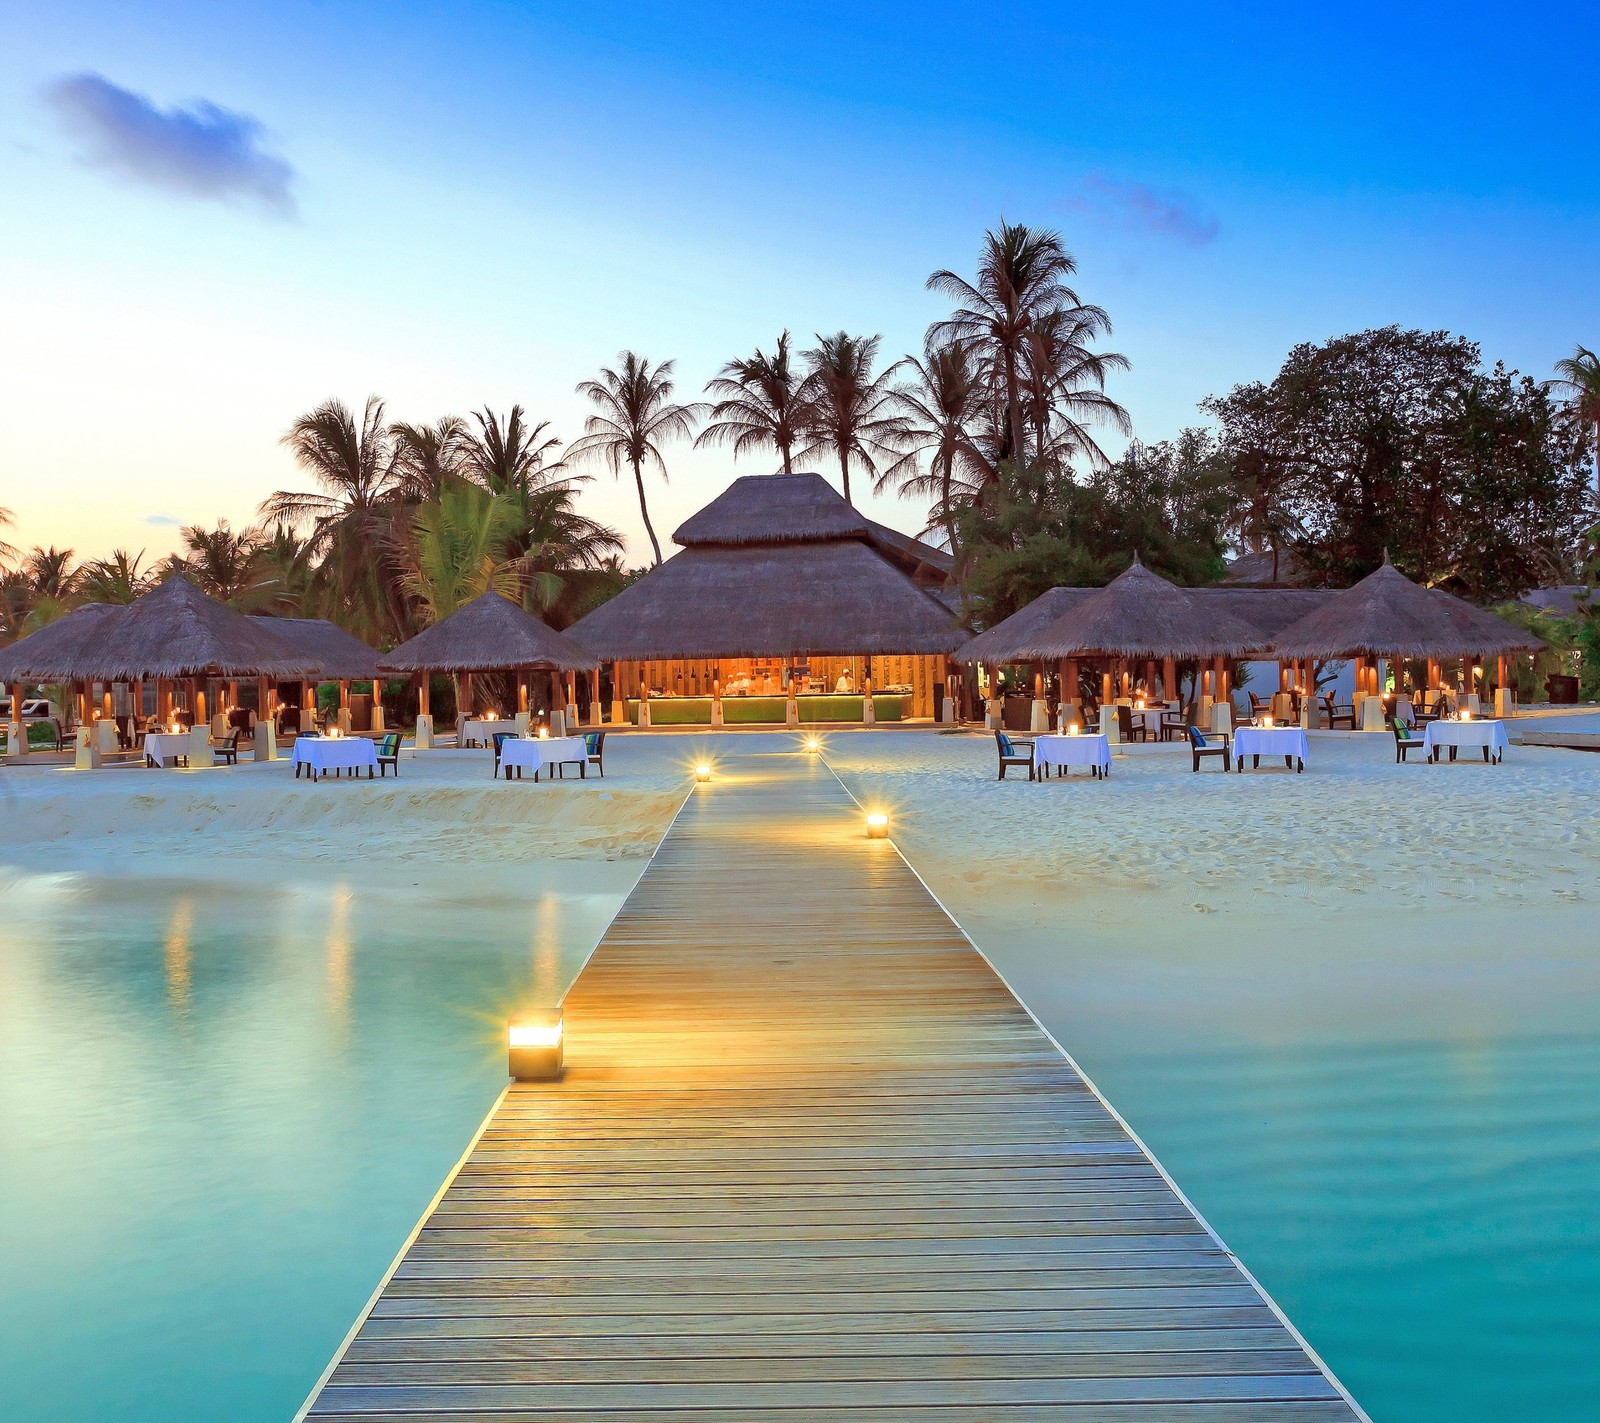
784	447
844	470
649	528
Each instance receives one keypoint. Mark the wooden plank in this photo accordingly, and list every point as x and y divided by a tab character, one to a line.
811	1159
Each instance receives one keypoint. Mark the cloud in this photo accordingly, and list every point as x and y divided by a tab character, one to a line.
163	521
200	152
1137	205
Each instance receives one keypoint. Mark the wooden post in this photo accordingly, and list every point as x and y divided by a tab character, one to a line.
1150	680
1106	695
344	707
1039	712
1169	679
16	728
558	704
464	711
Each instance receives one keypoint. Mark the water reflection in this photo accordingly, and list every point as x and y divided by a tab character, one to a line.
177	957
336	953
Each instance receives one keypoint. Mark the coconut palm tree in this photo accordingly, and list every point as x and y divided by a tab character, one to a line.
7	553
552	547
459	544
1021	276
761	402
349	522
1064	386
426	456
223	564
943	407
1580	375
637	416
116	579
853	415
504	453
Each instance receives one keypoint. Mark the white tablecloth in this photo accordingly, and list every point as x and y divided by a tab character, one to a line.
335	753
479	731
165	747
1268	741
539	752
1085	750
1477	734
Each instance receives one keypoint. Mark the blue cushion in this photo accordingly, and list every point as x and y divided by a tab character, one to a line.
1006	748
1196	737
589	742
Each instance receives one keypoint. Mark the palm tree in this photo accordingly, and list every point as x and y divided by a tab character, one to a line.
459	544
116	579
426	456
1064	385
1580	374
510	452
761	402
349	522
943	407
637	416
7	553
223	564
1021	277
552	546
853	413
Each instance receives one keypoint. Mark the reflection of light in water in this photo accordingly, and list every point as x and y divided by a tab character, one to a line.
546	948
337	951
177	957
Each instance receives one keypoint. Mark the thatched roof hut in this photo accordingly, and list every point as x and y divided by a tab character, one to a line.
335	655
1387	615
1140	614
174	631
777	565
489	634
50	654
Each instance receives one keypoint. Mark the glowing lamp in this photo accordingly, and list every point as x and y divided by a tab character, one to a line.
534	1048
1466	713
1266	720
877	826
702	773
1073	728
175	728
812	744
544	733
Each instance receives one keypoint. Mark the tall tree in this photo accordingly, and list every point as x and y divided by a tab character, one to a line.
116	579
348	523
460	545
943	460
637	415
853	414
7	553
1064	386
507	453
1579	374
427	456
223	564
1021	278
760	402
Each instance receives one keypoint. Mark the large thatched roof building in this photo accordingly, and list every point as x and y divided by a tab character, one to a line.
781	581
54	652
335	655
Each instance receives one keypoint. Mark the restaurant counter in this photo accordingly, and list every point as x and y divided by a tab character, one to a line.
769	711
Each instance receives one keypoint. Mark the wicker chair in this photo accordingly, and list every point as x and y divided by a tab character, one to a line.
1216	743
1012	754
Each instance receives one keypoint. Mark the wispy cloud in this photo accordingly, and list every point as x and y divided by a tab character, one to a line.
201	152
163	521
1167	214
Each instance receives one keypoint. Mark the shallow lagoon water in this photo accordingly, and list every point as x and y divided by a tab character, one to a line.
221	1112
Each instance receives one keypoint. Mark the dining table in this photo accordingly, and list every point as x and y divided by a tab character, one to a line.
538	753
1488	736
481	730
1091	749
166	748
1258	741
320	754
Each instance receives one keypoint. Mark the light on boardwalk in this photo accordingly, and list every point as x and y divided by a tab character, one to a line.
813	745
877	826
702	772
535	1048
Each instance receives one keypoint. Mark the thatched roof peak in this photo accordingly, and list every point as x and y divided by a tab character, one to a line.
1141	614
1387	615
773	509
336	655
489	634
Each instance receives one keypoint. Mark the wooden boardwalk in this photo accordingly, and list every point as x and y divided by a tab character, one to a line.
811	1159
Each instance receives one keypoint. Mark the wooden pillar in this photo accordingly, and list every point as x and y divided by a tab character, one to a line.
596	713
1107	697
81	696
1071	681
465	709
1283	675
197	706
1169	679
522	693
424	694
1150	680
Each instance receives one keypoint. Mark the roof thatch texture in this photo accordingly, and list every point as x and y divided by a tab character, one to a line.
489	634
776	601
1140	614
1387	615
773	509
49	654
1267	610
336	655
176	631
913	554
1255	570
1000	643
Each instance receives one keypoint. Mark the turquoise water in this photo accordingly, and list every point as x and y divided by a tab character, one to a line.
221	1112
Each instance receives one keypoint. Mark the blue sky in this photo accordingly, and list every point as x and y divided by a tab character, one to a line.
451	205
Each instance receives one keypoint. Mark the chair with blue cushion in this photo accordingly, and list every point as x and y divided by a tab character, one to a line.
1406	741
1216	744
500	739
389	754
594	745
1013	753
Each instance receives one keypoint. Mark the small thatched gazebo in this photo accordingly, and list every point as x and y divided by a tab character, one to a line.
177	637
1138	616
1387	616
782	592
335	656
491	634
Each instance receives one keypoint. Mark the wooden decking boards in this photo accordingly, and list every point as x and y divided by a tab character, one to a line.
811	1159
